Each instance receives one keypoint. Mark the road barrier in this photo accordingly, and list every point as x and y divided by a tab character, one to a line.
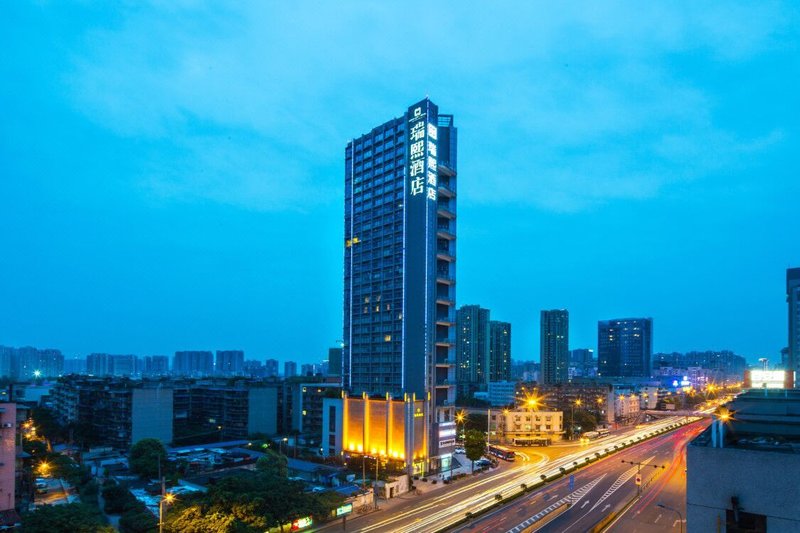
561	472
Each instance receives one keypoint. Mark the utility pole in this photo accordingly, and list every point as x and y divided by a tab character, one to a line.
161	501
639	466
377	462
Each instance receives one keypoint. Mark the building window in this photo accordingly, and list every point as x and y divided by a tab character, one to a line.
332	418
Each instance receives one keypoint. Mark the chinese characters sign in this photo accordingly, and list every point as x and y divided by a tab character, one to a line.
422	153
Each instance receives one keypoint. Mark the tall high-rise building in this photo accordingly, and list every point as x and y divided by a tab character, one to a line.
399	279
582	362
624	347
554	346
473	367
230	362
793	299
193	363
499	351
335	361
289	369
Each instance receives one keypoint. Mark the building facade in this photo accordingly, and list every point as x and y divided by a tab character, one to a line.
8	454
624	347
334	361
499	351
230	362
793	301
742	471
399	279
473	334
524	427
193	363
289	369
554	346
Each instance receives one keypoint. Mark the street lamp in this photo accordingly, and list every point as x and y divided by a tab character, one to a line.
680	517
167	498
572	418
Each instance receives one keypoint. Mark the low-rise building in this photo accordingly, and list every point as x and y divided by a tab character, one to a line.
742	471
524	426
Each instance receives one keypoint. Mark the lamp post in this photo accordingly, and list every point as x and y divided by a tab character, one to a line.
680	517
572	418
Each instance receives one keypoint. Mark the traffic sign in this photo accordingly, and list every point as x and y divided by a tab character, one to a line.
638	479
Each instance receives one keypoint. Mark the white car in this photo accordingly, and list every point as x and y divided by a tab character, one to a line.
460	450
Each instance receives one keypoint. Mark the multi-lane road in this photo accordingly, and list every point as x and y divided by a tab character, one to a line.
604	489
445	508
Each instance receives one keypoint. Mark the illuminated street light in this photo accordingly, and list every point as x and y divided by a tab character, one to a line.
37	374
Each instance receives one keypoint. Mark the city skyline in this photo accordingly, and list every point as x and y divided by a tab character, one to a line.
170	234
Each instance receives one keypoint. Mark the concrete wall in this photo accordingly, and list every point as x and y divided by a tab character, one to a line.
262	416
764	481
151	415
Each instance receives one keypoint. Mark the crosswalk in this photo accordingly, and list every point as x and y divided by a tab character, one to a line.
570	499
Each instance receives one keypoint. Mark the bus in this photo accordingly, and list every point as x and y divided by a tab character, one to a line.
534	441
502	452
590	435
602	433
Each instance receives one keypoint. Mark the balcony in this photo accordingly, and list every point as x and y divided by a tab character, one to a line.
443	210
443	383
444	253
445	341
445	191
445	320
443	232
444	300
444	277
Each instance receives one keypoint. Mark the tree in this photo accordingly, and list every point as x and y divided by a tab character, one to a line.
584	420
474	445
146	456
72	517
273	464
138	520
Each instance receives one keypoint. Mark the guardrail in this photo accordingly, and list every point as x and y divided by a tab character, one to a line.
561	472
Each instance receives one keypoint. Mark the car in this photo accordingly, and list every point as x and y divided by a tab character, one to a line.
460	450
483	462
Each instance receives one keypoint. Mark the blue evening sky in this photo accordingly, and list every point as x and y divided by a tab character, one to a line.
171	173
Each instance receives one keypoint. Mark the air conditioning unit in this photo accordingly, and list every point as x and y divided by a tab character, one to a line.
7	425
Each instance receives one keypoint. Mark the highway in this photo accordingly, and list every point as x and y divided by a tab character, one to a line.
447	507
603	488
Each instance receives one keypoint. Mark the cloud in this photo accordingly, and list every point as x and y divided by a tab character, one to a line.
575	106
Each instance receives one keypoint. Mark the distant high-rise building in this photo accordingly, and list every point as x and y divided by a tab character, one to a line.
793	300
271	368
554	346
74	366
193	363
624	347
310	369
289	369
7	356
32	363
334	361
473	366
230	362
97	364
123	365
499	351
255	369
583	362
155	365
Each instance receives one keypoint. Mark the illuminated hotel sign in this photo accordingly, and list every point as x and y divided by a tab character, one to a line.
422	153
767	379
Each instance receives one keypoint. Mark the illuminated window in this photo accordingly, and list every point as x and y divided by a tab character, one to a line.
387	338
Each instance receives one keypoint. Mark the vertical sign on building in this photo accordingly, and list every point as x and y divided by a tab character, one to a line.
419	258
422	152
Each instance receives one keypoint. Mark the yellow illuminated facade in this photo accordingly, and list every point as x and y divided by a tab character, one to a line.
378	427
